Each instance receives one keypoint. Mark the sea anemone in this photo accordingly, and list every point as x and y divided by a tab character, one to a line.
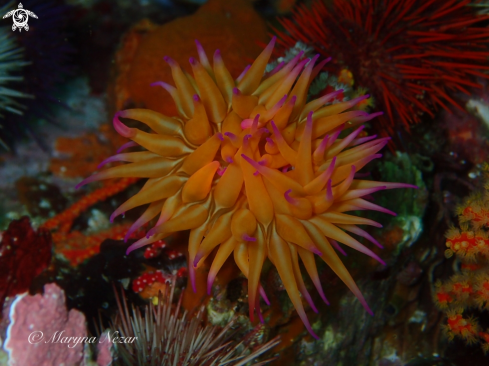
163	336
250	168
412	55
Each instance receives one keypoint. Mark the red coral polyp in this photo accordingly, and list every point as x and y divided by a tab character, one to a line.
476	214
443	298
467	244
457	325
469	288
482	291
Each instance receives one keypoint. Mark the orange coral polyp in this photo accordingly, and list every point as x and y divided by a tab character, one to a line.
284	182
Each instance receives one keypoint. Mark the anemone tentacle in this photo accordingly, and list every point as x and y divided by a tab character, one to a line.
253	170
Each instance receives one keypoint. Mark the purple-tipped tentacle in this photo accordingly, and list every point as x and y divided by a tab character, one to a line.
90	179
263	294
276	68
121	128
191	274
246	237
127	145
337	246
241	76
231	136
362	140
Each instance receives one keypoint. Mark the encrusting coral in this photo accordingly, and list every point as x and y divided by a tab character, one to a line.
251	168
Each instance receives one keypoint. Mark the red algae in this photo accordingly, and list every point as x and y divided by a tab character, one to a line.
24	254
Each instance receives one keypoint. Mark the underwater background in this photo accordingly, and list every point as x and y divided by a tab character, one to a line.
244	182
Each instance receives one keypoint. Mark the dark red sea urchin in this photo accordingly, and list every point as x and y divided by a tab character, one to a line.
412	55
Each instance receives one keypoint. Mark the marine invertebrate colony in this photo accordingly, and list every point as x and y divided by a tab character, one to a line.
468	289
252	169
411	55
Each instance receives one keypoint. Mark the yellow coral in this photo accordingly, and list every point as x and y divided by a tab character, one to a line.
251	168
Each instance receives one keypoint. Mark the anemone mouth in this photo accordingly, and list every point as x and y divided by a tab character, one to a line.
255	171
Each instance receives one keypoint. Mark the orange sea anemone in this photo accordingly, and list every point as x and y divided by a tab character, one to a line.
251	168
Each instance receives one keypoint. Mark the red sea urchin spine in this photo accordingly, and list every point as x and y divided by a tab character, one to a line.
413	55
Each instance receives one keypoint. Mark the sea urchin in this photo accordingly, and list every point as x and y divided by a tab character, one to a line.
412	55
11	62
163	336
252	169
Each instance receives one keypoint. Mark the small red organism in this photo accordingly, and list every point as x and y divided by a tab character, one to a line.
172	254
155	249
152	281
24	254
148	279
182	272
412	55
